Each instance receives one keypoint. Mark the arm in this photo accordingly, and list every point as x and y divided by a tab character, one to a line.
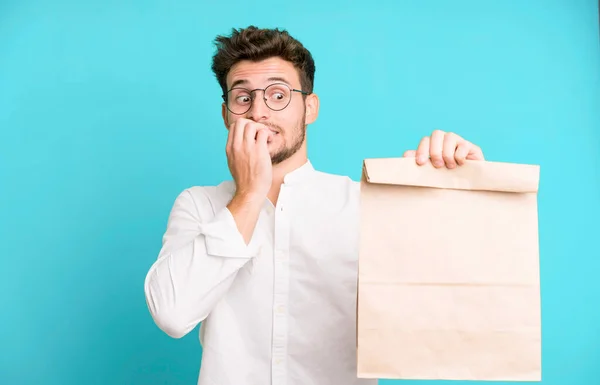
245	212
198	261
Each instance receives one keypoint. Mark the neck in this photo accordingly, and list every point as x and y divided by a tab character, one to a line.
282	169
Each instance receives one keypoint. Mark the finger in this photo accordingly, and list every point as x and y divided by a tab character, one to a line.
462	151
250	134
230	135
422	153
262	138
475	153
238	134
410	154
436	146
451	141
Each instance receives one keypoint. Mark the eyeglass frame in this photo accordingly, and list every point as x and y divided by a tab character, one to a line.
251	92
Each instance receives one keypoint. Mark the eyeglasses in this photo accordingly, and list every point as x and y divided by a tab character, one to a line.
277	97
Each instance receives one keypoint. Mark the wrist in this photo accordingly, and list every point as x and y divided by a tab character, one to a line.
247	201
245	210
250	197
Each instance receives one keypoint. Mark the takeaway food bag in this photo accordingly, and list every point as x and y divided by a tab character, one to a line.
448	283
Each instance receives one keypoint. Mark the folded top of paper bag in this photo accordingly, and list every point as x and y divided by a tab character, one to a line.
472	175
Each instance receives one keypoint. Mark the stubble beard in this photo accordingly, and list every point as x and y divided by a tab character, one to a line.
297	140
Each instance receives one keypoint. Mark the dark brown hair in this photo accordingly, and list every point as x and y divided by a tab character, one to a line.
256	44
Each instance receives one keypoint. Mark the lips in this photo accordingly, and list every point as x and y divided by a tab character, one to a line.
273	132
273	128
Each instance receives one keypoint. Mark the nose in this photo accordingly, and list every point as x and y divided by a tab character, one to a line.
259	110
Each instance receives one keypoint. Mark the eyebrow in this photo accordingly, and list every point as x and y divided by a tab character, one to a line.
271	79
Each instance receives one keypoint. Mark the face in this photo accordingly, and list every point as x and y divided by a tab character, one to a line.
288	125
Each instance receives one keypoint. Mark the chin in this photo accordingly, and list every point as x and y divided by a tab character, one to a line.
273	152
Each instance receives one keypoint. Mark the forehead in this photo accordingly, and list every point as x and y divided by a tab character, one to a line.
258	74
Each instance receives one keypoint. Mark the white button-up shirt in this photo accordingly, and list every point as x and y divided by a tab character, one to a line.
280	310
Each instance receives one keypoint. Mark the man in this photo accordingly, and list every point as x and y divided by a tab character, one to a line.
268	262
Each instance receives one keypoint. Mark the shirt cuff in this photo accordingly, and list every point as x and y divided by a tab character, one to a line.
223	239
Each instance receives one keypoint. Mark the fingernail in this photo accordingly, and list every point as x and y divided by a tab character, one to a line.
421	159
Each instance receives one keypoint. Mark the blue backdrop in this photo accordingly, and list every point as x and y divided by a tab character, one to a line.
108	109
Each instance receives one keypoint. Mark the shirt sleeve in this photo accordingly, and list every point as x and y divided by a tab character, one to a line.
200	256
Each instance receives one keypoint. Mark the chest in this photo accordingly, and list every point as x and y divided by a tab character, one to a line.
307	239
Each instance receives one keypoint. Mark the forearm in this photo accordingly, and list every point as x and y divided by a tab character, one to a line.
245	211
183	286
197	264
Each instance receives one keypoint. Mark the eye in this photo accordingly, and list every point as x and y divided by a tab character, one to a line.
277	95
242	99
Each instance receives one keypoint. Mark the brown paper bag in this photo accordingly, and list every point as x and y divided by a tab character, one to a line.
448	283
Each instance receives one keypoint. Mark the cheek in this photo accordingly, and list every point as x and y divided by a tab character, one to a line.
231	118
291	120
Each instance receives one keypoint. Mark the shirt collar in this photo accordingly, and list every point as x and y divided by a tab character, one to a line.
300	174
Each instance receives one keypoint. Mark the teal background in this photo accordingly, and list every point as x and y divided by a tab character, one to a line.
108	109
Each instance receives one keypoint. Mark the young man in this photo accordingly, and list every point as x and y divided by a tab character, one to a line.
268	261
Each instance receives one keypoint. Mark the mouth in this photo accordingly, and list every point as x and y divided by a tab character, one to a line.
273	132
272	135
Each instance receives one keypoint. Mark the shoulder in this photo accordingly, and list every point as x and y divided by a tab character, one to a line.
335	179
206	199
223	190
336	184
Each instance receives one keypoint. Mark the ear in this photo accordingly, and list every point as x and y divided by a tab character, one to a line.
224	115
312	108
